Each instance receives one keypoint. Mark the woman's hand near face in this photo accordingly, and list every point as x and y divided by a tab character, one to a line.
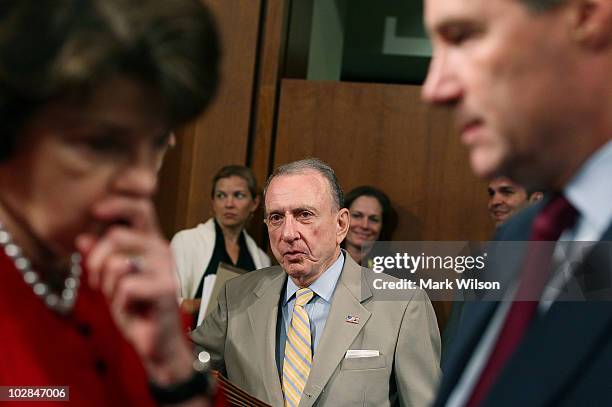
132	265
190	305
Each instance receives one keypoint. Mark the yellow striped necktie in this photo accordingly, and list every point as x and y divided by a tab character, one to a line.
298	350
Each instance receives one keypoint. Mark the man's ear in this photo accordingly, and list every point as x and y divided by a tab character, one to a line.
535	197
591	23
256	202
344	222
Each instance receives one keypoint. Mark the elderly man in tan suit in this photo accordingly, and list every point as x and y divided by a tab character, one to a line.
312	331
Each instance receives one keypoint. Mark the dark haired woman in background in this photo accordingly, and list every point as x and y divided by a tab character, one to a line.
89	93
222	238
371	211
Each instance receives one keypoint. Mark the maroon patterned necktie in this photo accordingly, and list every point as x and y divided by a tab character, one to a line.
556	216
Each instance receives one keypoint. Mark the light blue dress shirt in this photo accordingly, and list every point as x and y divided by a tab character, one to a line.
317	309
590	193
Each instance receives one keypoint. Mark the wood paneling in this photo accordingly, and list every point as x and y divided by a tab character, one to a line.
270	65
298	38
384	136
220	136
174	183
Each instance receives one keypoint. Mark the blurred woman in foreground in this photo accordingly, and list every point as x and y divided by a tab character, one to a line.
89	93
222	238
370	210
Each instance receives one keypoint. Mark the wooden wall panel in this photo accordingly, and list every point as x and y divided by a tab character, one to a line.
270	65
220	136
384	136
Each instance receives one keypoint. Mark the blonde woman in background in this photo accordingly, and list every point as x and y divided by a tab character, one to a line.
222	238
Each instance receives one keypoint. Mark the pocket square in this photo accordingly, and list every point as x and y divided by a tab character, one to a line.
361	353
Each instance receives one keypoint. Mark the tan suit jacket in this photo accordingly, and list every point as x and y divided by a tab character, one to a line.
241	336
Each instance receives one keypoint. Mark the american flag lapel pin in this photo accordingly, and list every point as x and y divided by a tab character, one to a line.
353	319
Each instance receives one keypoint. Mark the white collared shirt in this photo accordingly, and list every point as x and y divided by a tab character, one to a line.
590	191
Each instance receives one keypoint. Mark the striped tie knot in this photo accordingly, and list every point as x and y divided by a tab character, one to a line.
303	296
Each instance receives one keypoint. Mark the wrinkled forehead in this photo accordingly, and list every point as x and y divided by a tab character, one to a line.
439	13
307	189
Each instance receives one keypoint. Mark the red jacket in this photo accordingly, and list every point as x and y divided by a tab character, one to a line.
84	350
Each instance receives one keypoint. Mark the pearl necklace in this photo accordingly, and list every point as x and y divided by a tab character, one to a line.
60	304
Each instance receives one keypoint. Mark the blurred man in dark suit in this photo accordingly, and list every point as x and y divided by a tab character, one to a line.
529	81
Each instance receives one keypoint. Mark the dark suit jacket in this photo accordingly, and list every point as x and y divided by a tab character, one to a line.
565	358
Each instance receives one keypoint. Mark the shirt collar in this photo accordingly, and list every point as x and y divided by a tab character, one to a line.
587	190
324	285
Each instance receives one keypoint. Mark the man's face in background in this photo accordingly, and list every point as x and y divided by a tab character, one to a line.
304	224
505	199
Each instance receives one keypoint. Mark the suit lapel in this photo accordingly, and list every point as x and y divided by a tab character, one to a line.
477	316
477	313
263	315
338	334
607	236
595	276
566	337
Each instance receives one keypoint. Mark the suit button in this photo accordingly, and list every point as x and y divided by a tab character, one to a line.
202	362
